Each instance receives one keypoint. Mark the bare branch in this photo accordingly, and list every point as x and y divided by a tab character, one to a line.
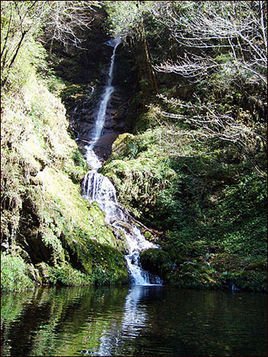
209	123
239	26
188	67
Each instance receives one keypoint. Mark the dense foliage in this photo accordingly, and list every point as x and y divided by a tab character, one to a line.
195	170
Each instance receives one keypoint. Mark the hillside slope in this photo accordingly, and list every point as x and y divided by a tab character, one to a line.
50	234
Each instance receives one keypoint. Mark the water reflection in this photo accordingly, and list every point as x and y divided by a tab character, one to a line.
140	321
58	321
135	315
134	320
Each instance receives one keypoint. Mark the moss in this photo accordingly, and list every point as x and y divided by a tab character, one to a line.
77	232
78	159
108	265
66	203
99	264
149	236
149	119
120	146
60	235
105	263
52	242
139	172
62	193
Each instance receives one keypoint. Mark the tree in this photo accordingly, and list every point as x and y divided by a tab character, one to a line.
60	20
210	123
220	44
67	19
238	28
19	20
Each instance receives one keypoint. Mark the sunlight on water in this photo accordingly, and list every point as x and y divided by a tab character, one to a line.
141	320
100	189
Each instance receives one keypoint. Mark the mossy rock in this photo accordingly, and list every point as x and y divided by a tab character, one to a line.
95	264
44	272
67	276
156	261
149	236
120	146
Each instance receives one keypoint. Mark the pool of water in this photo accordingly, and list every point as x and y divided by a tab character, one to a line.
141	321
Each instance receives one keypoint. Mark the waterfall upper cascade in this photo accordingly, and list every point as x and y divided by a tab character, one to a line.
99	188
92	158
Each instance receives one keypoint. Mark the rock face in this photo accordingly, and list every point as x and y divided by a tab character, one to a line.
84	114
86	72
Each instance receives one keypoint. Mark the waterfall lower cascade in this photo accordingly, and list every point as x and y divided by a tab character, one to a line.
99	188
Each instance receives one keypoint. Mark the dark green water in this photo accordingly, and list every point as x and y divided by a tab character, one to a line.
143	321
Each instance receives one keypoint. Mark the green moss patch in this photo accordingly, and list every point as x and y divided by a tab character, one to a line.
55	233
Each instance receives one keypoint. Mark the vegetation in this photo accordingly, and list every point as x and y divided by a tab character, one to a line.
192	169
50	234
23	22
195	168
14	273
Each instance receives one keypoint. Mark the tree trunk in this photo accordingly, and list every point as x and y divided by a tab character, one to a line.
148	61
13	58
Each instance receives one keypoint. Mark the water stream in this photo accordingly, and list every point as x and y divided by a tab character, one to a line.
100	189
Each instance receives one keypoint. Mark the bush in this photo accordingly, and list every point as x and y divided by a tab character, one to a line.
14	274
67	276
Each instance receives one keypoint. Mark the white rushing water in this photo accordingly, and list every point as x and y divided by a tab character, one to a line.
92	158
100	189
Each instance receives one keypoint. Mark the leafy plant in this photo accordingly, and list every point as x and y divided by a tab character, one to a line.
14	274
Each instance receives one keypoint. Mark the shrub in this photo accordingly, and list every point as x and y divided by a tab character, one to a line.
14	273
66	275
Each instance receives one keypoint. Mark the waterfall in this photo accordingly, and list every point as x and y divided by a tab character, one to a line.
92	158
100	189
